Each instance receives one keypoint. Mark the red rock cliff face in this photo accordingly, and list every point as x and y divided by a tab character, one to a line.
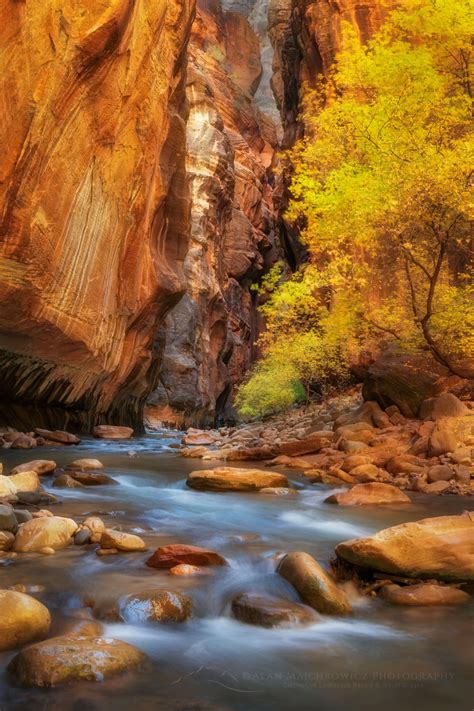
93	202
208	342
306	36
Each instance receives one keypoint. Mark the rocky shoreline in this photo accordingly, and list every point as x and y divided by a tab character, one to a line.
346	442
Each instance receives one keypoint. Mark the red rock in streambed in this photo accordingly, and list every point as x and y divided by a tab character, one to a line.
167	557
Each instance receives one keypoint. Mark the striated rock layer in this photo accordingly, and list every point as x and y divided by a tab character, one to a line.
207	343
93	202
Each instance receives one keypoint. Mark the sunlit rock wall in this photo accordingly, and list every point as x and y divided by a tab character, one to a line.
94	208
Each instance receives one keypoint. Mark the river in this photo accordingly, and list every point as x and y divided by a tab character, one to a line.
382	657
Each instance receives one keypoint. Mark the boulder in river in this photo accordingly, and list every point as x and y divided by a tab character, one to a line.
176	553
64	481
112	432
126	542
64	659
372	494
88	478
269	611
233	479
8	520
86	464
40	466
424	594
47	532
59	436
26	481
314	585
7	487
22	619
155	606
440	548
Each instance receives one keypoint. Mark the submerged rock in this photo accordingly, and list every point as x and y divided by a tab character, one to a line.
86	464
269	611
278	491
184	569
233	479
424	594
313	584
47	532
372	494
22	619
176	553
63	659
440	548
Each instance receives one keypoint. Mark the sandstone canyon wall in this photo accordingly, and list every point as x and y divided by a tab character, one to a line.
138	197
207	342
94	212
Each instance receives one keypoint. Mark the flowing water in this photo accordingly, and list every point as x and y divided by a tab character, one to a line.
381	657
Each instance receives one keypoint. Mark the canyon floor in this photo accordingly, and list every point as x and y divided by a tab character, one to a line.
186	583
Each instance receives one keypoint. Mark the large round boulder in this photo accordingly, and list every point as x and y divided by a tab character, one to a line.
63	659
22	619
440	548
269	611
47	532
234	479
373	494
314	585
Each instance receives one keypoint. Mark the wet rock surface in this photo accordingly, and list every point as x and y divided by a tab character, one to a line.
64	659
267	611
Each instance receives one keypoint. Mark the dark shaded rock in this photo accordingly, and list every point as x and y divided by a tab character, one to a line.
406	380
8	519
269	611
